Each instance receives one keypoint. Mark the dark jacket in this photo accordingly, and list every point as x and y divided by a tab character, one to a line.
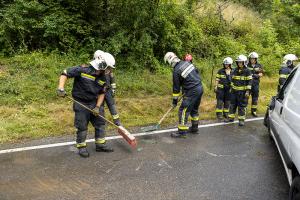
185	75
224	79
241	79
256	69
284	72
87	85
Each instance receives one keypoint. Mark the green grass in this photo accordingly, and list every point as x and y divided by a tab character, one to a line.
29	108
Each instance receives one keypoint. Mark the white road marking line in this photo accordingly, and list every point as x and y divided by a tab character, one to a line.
113	137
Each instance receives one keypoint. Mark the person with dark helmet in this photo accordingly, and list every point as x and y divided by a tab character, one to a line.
185	77
222	89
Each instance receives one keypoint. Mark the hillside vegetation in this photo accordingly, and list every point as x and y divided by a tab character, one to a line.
39	39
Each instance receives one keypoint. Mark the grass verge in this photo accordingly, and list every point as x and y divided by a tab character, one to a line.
29	108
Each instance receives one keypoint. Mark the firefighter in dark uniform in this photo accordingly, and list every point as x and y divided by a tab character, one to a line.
222	89
111	87
257	72
240	90
185	76
286	69
88	89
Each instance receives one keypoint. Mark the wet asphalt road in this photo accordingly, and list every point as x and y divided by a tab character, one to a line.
220	163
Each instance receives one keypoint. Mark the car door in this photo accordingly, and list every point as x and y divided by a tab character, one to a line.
291	120
278	125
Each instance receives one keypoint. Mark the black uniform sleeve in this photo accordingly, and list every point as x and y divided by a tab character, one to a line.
218	76
282	77
73	71
248	79
176	84
113	81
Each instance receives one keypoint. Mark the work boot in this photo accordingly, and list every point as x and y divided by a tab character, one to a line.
104	148
194	128
228	120
254	114
225	115
179	134
219	117
83	152
241	123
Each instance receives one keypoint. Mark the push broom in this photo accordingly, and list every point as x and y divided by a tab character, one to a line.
157	126
121	130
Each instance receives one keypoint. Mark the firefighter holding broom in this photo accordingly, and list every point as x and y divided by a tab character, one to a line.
185	76
88	89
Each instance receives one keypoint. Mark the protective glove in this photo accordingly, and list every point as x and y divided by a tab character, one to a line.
257	69
96	111
113	92
247	94
61	92
174	102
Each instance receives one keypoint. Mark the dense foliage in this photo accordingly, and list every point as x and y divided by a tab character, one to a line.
140	32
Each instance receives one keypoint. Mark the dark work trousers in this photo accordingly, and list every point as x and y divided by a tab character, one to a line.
254	95
238	100
111	104
82	119
189	107
223	101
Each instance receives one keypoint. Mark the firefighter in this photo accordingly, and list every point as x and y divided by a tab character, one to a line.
111	87
257	73
286	69
88	89
185	76
240	90
222	89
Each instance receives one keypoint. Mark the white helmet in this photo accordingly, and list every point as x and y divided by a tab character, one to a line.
227	61
241	58
98	54
170	57
109	59
290	57
99	64
253	55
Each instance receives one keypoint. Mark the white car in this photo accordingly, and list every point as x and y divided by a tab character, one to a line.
283	122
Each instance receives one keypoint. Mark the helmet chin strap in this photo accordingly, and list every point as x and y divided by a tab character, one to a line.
175	61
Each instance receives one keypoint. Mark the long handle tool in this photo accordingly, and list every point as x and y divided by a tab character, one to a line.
121	130
157	126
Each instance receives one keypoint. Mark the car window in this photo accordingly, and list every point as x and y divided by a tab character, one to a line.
286	85
293	100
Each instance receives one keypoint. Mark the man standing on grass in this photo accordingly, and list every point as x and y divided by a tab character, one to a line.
88	89
257	73
185	76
